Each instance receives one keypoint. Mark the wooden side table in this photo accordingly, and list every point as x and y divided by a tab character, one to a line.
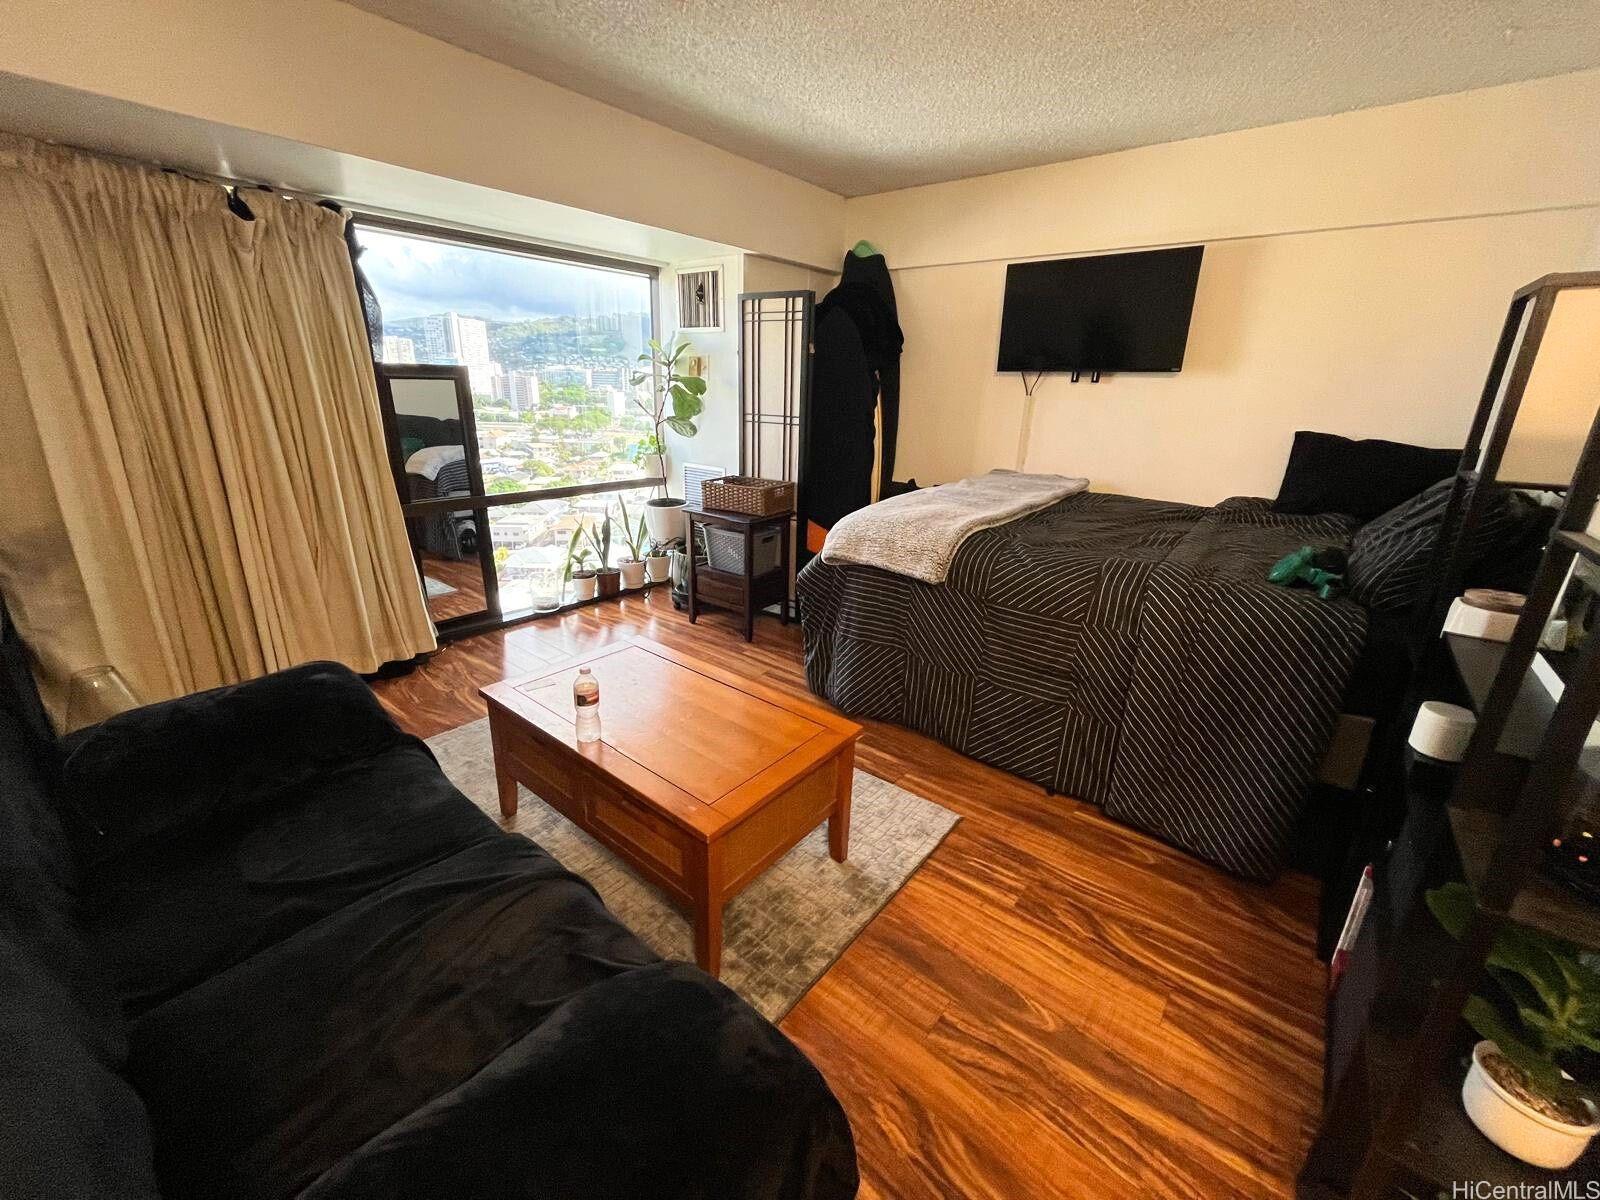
744	591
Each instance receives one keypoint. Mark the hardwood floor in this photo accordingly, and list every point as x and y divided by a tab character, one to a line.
465	575
1053	1006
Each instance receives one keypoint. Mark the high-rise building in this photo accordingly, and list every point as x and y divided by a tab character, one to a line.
522	388
399	349
450	337
608	377
484	378
558	375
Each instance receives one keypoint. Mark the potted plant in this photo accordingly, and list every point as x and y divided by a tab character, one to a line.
608	579
658	562
1518	1091
579	573
632	566
676	400
649	455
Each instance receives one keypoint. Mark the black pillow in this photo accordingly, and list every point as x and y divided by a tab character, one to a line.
1389	556
1332	474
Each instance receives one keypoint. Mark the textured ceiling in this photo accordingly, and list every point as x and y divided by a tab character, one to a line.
868	95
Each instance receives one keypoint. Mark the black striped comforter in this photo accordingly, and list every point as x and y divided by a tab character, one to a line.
441	531
1128	652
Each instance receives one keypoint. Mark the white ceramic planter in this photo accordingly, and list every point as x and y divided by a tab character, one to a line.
1517	1129
663	517
658	567
632	574
583	587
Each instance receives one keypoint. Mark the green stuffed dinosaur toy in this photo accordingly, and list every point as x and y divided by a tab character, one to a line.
1320	570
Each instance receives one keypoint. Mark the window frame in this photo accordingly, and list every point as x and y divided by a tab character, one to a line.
479	505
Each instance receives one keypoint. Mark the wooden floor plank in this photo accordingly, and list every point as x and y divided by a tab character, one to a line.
1054	1006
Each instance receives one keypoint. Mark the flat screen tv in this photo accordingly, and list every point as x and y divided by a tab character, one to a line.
1111	312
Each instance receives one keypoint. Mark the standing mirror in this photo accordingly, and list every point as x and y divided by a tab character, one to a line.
433	452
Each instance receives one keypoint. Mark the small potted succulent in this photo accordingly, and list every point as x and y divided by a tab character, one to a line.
579	573
1543	1027
633	536
658	562
608	579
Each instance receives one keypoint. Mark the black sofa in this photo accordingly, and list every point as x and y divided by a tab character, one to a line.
253	944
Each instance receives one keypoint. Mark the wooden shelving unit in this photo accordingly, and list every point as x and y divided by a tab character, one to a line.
1397	1048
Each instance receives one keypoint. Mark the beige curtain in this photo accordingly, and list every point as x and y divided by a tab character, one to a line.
195	486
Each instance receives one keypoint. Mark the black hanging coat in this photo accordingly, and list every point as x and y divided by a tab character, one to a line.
855	367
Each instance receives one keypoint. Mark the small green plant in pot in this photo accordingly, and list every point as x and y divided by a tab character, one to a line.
579	573
633	535
648	454
1531	1087
658	561
608	579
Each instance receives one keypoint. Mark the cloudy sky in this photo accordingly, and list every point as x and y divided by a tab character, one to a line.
414	277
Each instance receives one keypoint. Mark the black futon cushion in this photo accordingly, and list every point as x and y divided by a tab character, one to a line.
309	1048
172	768
342	976
707	1100
71	1126
1332	474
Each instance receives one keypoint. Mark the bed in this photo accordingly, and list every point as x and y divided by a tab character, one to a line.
1127	652
436	465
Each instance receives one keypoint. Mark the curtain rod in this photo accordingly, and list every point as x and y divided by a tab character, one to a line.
375	212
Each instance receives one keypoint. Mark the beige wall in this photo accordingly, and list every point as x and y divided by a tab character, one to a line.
1356	273
717	443
769	275
1380	332
1562	393
332	76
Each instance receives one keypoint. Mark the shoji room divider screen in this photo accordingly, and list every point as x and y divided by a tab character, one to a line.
774	387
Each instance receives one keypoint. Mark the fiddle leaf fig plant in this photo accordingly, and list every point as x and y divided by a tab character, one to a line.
676	399
1551	991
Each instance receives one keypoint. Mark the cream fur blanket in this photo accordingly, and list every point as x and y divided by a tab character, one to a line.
917	534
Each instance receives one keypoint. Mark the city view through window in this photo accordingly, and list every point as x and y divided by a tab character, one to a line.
550	348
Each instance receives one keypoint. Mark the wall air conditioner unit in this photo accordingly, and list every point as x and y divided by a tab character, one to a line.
700	300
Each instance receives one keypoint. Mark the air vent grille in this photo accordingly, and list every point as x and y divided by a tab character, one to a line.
700	299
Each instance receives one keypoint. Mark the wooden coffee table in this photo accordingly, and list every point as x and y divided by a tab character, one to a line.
701	780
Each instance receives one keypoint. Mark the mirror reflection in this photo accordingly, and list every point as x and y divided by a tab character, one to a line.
436	458
454	584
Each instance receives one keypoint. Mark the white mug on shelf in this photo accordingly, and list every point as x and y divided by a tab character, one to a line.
1442	731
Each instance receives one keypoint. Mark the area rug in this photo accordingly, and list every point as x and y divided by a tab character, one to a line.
436	587
783	931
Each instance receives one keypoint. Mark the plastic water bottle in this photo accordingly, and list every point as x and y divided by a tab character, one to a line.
586	700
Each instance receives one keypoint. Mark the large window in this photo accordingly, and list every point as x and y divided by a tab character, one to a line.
549	345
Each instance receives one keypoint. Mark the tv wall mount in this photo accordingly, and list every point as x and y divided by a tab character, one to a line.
1074	375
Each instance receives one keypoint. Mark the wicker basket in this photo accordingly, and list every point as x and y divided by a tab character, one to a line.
747	494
